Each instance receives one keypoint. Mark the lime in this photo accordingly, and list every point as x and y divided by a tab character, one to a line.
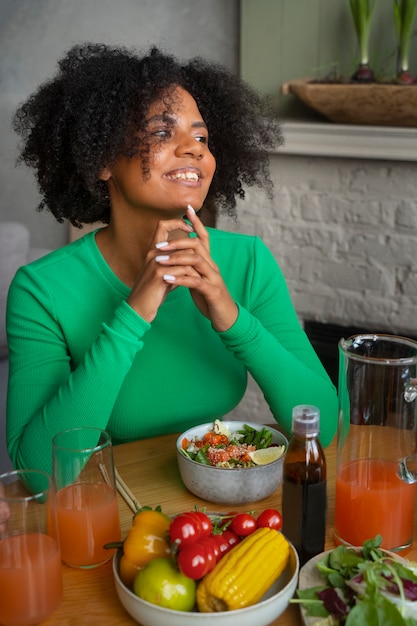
266	455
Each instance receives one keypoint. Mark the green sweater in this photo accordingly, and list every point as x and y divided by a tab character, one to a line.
80	355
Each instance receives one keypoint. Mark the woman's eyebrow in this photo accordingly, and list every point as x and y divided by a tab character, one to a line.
199	124
172	119
158	118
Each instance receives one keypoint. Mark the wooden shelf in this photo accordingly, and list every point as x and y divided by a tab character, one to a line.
349	141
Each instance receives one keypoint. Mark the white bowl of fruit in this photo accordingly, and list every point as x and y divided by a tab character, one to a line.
206	571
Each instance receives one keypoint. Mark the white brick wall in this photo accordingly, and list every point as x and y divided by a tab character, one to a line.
344	232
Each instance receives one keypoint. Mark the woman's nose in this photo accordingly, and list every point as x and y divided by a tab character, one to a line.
189	146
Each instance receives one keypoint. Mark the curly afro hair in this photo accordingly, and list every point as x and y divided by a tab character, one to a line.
95	107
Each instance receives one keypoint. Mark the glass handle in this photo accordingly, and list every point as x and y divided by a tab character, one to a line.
408	469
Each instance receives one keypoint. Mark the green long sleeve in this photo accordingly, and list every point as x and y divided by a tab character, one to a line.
79	355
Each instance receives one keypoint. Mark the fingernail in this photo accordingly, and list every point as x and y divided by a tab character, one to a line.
162	244
191	209
161	257
169	278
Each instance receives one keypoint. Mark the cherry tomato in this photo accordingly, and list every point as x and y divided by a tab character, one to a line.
185	528
227	519
231	538
223	544
197	521
270	518
193	561
206	523
212	552
213	546
243	524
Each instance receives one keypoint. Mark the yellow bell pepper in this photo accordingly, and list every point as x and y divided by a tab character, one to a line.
127	571
147	538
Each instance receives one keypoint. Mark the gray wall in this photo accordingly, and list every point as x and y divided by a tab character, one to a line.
35	33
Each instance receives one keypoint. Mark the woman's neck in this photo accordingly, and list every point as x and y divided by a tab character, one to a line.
125	249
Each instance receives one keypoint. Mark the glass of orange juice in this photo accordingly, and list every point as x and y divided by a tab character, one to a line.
86	499
377	431
30	561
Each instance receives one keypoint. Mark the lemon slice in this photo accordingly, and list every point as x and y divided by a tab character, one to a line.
266	455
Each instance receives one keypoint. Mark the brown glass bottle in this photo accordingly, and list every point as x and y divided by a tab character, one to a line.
304	498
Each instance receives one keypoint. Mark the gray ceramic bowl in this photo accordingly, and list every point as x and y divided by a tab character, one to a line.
274	602
230	486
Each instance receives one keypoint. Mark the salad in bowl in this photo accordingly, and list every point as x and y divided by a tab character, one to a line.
231	462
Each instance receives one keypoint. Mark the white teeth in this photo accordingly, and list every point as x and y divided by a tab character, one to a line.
185	176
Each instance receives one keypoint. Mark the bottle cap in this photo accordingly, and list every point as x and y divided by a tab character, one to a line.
306	420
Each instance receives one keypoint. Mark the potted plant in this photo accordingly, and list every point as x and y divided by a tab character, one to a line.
363	97
362	11
404	15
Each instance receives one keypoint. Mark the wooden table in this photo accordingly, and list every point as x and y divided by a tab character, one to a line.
150	469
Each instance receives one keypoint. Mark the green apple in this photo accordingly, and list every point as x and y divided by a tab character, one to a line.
160	582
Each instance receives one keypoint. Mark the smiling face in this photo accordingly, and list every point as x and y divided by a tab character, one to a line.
181	166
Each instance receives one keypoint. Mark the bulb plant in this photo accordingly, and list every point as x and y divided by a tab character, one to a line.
362	11
404	15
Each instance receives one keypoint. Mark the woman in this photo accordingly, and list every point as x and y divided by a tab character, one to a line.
151	324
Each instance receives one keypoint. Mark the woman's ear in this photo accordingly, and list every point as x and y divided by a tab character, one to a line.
105	174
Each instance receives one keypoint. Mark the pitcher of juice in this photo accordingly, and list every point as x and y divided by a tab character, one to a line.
376	441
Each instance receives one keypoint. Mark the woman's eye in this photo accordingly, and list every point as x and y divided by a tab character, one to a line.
164	133
202	139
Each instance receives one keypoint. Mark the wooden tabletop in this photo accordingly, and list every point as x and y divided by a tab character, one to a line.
150	469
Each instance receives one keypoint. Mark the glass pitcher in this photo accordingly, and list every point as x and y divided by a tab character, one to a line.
376	441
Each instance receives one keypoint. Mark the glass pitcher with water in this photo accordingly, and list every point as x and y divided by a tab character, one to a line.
376	441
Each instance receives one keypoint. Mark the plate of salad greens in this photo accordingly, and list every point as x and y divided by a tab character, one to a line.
364	586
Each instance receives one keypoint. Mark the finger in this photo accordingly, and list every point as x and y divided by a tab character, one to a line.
195	255
198	226
192	244
165	227
183	280
186	252
171	266
185	276
180	258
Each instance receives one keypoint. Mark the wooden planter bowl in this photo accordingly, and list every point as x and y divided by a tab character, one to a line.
375	104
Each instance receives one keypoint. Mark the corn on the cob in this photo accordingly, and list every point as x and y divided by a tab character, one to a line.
245	573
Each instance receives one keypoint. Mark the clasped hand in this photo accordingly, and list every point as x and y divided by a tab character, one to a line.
186	262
